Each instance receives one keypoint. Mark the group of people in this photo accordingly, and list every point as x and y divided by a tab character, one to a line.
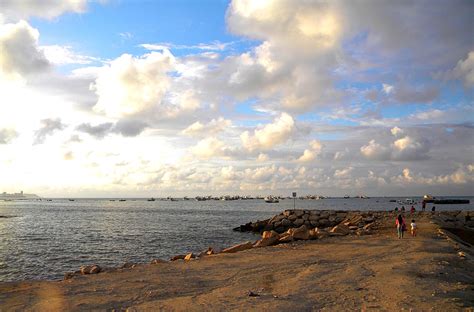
401	226
412	209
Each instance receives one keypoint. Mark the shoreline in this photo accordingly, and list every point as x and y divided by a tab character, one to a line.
313	274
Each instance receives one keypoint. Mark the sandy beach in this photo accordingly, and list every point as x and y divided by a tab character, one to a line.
377	272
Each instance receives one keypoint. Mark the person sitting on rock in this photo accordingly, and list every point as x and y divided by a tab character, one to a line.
396	209
400	222
403	208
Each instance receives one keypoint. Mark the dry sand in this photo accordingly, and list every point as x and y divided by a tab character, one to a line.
375	273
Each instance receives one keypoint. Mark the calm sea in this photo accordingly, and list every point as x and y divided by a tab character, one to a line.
46	239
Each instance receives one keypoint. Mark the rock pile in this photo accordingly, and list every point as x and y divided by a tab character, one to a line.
311	219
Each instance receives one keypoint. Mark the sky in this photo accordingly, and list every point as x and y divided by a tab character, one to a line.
183	98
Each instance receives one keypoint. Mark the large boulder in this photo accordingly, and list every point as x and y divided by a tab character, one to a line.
313	217
239	247
298	222
285	238
285	222
269	234
299	213
341	229
299	233
268	238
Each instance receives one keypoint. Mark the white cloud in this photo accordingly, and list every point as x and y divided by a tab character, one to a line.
396	131
20	54
7	135
344	173
312	153
132	85
62	55
374	150
212	128
387	88
464	70
270	135
208	148
18	9
262	157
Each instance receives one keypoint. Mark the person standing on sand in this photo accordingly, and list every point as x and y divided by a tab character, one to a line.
412	210
413	228
400	222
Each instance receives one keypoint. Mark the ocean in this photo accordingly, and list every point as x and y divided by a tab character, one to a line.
45	239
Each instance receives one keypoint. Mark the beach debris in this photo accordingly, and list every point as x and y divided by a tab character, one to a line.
252	294
238	247
189	256
177	257
341	229
209	251
128	265
158	261
462	254
69	275
90	269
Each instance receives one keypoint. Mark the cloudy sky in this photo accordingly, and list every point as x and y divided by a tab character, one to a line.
159	98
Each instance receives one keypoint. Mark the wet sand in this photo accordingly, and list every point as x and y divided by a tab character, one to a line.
376	272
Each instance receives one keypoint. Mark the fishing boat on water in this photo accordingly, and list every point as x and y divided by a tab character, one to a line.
270	199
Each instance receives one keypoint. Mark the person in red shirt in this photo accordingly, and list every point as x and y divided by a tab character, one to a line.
412	210
401	226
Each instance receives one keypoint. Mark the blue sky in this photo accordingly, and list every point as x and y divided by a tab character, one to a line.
151	98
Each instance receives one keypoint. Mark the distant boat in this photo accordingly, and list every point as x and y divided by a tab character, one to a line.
271	199
122	200
346	196
72	200
151	199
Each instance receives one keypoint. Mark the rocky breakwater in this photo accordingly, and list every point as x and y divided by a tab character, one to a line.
321	219
457	225
455	219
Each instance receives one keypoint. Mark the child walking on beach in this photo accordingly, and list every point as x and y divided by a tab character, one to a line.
413	228
401	226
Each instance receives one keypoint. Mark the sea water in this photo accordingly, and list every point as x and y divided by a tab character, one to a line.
45	239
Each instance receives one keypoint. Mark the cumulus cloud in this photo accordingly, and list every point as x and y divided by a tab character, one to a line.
7	135
19	9
374	150
310	154
48	127
403	148
270	135
408	148
208	148
62	55
212	128
464	70
130	85
20	52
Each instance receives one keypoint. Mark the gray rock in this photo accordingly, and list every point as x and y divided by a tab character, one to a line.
298	222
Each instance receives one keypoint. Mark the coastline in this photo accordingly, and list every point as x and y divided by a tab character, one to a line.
371	272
